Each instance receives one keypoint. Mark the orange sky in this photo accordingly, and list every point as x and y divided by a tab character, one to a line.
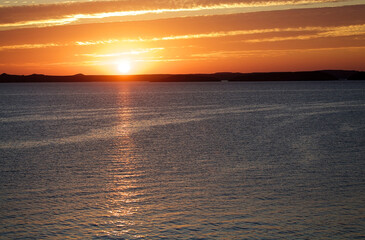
190	36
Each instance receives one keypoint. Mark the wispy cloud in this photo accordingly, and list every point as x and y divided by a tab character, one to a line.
263	53
117	54
194	36
167	60
29	46
341	31
337	31
320	32
60	14
187	28
108	41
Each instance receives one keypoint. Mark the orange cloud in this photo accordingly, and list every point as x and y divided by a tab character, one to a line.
65	13
29	46
117	54
322	32
184	27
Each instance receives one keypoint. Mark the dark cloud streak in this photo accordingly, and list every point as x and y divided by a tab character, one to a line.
55	11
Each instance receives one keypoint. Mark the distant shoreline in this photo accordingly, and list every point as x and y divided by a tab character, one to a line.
323	75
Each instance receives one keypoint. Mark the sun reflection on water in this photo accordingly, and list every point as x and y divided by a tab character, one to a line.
125	174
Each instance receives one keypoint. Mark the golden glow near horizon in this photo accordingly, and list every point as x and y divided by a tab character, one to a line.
129	37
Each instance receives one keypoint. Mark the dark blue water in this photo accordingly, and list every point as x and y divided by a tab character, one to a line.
182	160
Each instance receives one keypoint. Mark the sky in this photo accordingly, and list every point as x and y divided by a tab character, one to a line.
112	37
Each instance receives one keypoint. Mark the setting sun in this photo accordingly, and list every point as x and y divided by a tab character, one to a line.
124	66
126	37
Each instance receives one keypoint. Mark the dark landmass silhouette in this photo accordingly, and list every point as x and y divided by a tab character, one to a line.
324	75
357	76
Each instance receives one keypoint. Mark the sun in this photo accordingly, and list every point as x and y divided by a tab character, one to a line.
124	66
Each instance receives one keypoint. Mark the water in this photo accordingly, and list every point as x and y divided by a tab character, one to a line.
182	160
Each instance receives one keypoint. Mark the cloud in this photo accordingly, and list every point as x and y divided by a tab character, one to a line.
272	52
117	54
108	41
320	32
337	31
186	28
65	13
29	46
323	32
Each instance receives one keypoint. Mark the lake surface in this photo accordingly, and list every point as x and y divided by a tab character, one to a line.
268	160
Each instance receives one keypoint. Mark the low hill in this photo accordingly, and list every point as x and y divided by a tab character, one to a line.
326	75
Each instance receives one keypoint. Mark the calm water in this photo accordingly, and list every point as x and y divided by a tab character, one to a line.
182	160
